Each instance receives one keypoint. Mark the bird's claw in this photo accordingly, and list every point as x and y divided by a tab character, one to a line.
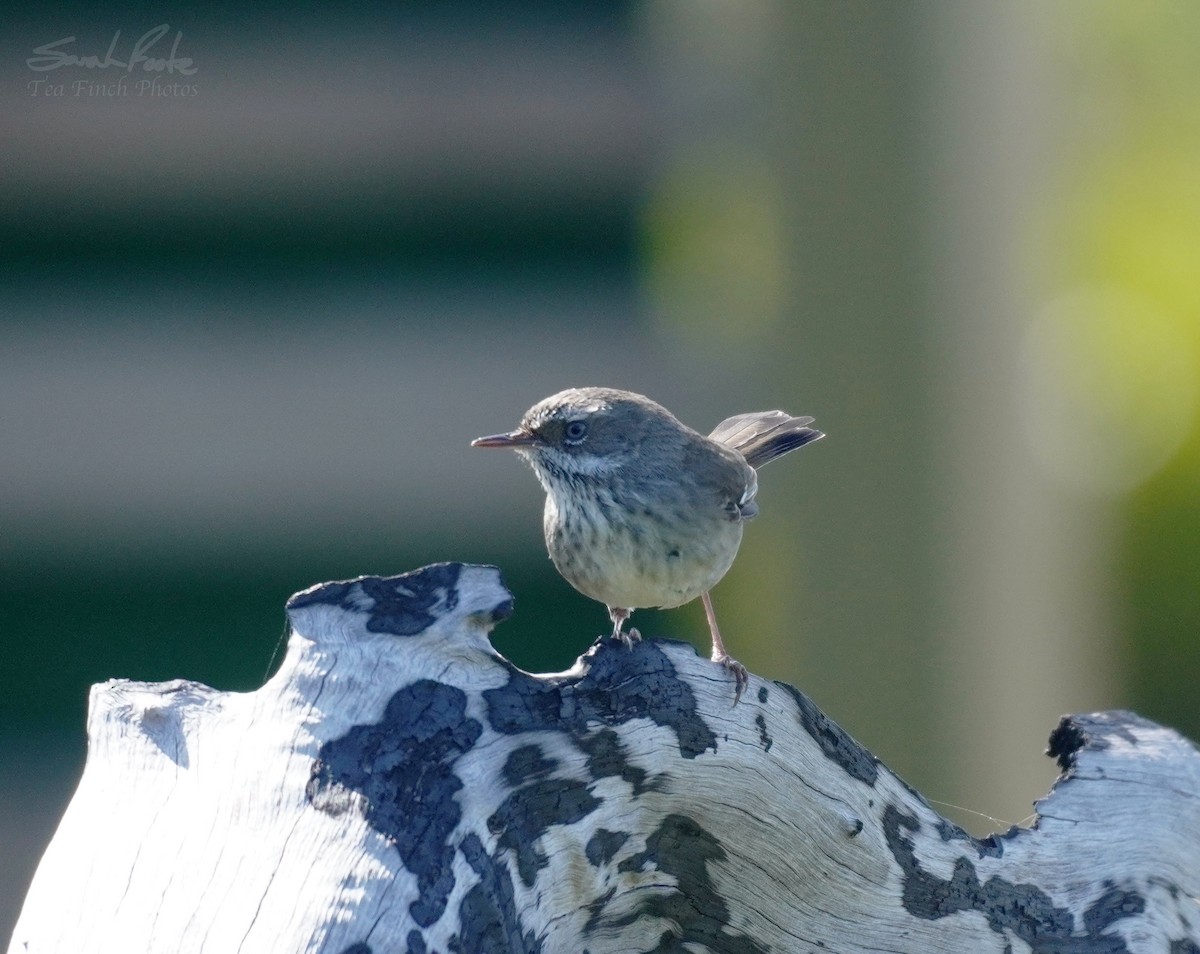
625	638
740	675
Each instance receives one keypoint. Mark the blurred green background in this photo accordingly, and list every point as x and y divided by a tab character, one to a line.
248	333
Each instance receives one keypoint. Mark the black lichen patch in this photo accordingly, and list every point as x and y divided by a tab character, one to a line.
359	947
762	694
617	686
415	943
606	757
526	814
989	847
1065	741
1184	946
681	848
333	594
402	605
488	920
603	846
1075	733
526	763
1115	904
407	605
403	767
834	741
596	910
1022	909
764	737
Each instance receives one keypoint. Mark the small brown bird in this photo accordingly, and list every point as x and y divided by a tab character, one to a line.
641	510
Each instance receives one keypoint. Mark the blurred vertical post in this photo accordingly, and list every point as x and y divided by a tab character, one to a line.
1024	609
782	251
846	139
852	247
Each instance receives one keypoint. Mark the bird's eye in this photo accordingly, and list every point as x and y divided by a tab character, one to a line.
575	432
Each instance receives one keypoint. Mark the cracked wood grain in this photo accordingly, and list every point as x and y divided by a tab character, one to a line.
400	787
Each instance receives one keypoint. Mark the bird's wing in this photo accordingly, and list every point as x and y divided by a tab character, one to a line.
761	436
746	506
720	475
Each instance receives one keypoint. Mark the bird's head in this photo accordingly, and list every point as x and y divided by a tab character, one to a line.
584	433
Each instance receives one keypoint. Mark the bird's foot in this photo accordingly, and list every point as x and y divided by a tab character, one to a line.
625	637
741	677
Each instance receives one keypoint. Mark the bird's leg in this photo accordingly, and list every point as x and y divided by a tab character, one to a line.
718	650
618	617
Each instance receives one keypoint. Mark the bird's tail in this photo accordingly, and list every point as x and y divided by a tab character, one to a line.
761	436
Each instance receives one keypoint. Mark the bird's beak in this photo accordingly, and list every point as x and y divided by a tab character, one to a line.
513	439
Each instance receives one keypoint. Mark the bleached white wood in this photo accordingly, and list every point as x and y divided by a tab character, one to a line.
399	787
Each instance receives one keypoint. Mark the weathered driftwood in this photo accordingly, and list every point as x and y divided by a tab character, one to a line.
400	787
